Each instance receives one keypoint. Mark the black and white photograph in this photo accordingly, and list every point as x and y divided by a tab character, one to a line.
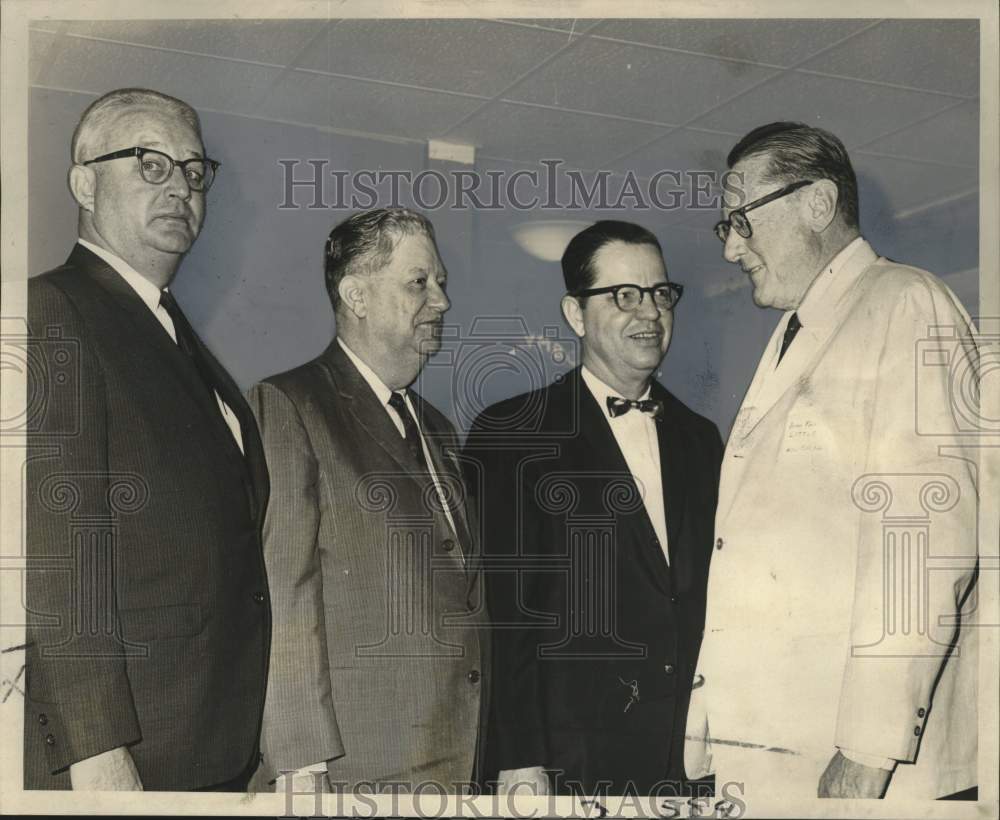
555	409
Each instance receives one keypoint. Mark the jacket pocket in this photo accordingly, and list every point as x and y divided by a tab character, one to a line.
151	623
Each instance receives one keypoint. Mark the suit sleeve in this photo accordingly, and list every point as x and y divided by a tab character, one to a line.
888	683
79	701
300	724
517	736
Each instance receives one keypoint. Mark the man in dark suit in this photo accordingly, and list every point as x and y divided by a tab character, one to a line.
598	494
148	614
377	658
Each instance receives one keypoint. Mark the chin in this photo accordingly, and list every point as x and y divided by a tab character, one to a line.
428	348
174	244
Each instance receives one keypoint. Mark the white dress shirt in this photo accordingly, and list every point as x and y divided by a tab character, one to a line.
635	433
150	295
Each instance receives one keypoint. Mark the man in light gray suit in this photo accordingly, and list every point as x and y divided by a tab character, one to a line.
377	655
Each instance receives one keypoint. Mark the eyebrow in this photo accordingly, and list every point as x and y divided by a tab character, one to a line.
160	146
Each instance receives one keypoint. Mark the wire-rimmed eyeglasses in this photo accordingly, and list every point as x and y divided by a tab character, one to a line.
738	219
629	297
155	167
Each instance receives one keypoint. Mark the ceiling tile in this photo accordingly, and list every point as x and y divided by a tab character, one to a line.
612	78
952	136
681	150
371	108
269	41
96	66
887	186
523	132
855	112
469	56
773	42
938	55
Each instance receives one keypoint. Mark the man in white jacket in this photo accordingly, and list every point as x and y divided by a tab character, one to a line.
837	658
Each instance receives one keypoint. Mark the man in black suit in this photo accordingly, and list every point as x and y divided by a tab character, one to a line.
148	613
598	494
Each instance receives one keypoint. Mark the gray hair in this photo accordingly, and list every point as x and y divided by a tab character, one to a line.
104	109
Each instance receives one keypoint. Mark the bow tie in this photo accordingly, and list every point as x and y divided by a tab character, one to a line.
651	407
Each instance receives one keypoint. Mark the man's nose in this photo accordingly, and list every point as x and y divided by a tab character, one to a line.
438	298
734	247
177	183
647	307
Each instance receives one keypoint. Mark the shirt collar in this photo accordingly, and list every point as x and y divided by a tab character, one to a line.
146	290
374	382
811	311
602	392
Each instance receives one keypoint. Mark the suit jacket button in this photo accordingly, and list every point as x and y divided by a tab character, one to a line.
258	597
43	719
473	676
916	731
669	669
50	740
673	599
447	545
718	543
921	712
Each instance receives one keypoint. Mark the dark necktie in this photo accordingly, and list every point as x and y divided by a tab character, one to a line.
188	344
651	407
413	441
794	325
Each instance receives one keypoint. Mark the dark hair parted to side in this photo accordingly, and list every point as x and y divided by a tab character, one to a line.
578	258
363	243
799	151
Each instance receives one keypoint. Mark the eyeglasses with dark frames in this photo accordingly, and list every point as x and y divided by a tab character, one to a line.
738	219
155	167
629	297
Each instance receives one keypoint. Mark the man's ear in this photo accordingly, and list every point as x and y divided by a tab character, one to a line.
83	186
573	314
352	295
821	203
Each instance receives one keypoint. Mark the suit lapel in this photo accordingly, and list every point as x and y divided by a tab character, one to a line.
365	408
772	380
600	447
443	451
674	468
150	333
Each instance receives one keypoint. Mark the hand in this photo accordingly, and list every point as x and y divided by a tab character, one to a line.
845	778
529	781
113	770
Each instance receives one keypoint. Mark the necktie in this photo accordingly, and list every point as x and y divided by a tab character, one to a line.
651	407
398	403
186	341
413	441
794	325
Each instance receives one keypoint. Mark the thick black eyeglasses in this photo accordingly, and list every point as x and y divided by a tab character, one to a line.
738	218
156	167
629	297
